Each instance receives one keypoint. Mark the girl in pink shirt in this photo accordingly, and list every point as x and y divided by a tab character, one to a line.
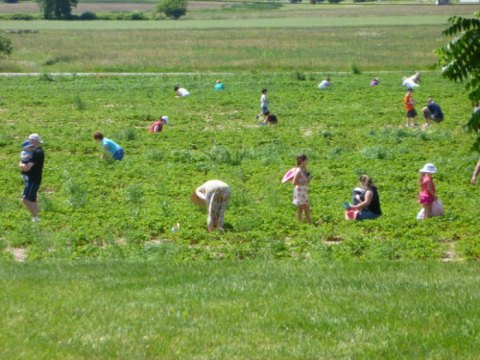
426	195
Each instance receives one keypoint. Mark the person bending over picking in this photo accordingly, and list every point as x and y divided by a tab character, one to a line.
110	148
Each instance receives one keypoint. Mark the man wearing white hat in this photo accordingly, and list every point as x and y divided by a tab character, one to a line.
32	173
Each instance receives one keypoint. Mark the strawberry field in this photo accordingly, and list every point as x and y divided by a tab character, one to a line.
96	208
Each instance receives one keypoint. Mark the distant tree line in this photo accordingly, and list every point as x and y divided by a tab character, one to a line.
62	9
329	1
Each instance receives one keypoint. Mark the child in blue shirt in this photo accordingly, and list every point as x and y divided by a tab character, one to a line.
110	147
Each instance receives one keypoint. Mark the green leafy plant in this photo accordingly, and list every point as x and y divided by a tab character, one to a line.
356	69
5	45
135	15
300	76
459	60
79	103
173	8
88	15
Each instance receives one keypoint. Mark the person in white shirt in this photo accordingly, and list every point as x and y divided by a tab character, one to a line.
180	92
264	102
411	81
324	84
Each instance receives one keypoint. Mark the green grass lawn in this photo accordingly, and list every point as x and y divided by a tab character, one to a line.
240	310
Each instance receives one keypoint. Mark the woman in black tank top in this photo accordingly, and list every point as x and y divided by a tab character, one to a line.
368	203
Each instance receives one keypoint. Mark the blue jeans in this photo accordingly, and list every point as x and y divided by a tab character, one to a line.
118	155
362	214
366	215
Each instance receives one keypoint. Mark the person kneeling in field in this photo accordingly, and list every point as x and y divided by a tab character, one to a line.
219	85
366	201
110	147
180	92
325	84
214	194
432	111
157	125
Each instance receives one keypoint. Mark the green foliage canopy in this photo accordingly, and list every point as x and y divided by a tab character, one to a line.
173	8
57	9
460	59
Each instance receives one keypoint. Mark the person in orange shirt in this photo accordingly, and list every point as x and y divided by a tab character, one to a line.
410	109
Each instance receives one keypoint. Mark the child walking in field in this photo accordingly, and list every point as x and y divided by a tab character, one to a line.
426	195
264	102
301	179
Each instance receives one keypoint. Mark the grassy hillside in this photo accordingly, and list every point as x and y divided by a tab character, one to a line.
241	38
96	208
224	50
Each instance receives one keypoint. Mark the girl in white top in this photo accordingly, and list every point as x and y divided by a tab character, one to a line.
300	183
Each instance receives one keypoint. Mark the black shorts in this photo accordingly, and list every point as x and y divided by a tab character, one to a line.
30	191
411	113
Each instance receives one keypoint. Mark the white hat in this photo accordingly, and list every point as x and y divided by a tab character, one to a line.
164	118
35	137
428	168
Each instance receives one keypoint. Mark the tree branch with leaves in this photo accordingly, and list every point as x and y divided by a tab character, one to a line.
460	61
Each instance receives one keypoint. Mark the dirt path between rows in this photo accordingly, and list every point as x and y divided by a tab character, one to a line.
19	254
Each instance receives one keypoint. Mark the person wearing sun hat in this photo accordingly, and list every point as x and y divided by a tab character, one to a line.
157	125
32	173
426	194
214	194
